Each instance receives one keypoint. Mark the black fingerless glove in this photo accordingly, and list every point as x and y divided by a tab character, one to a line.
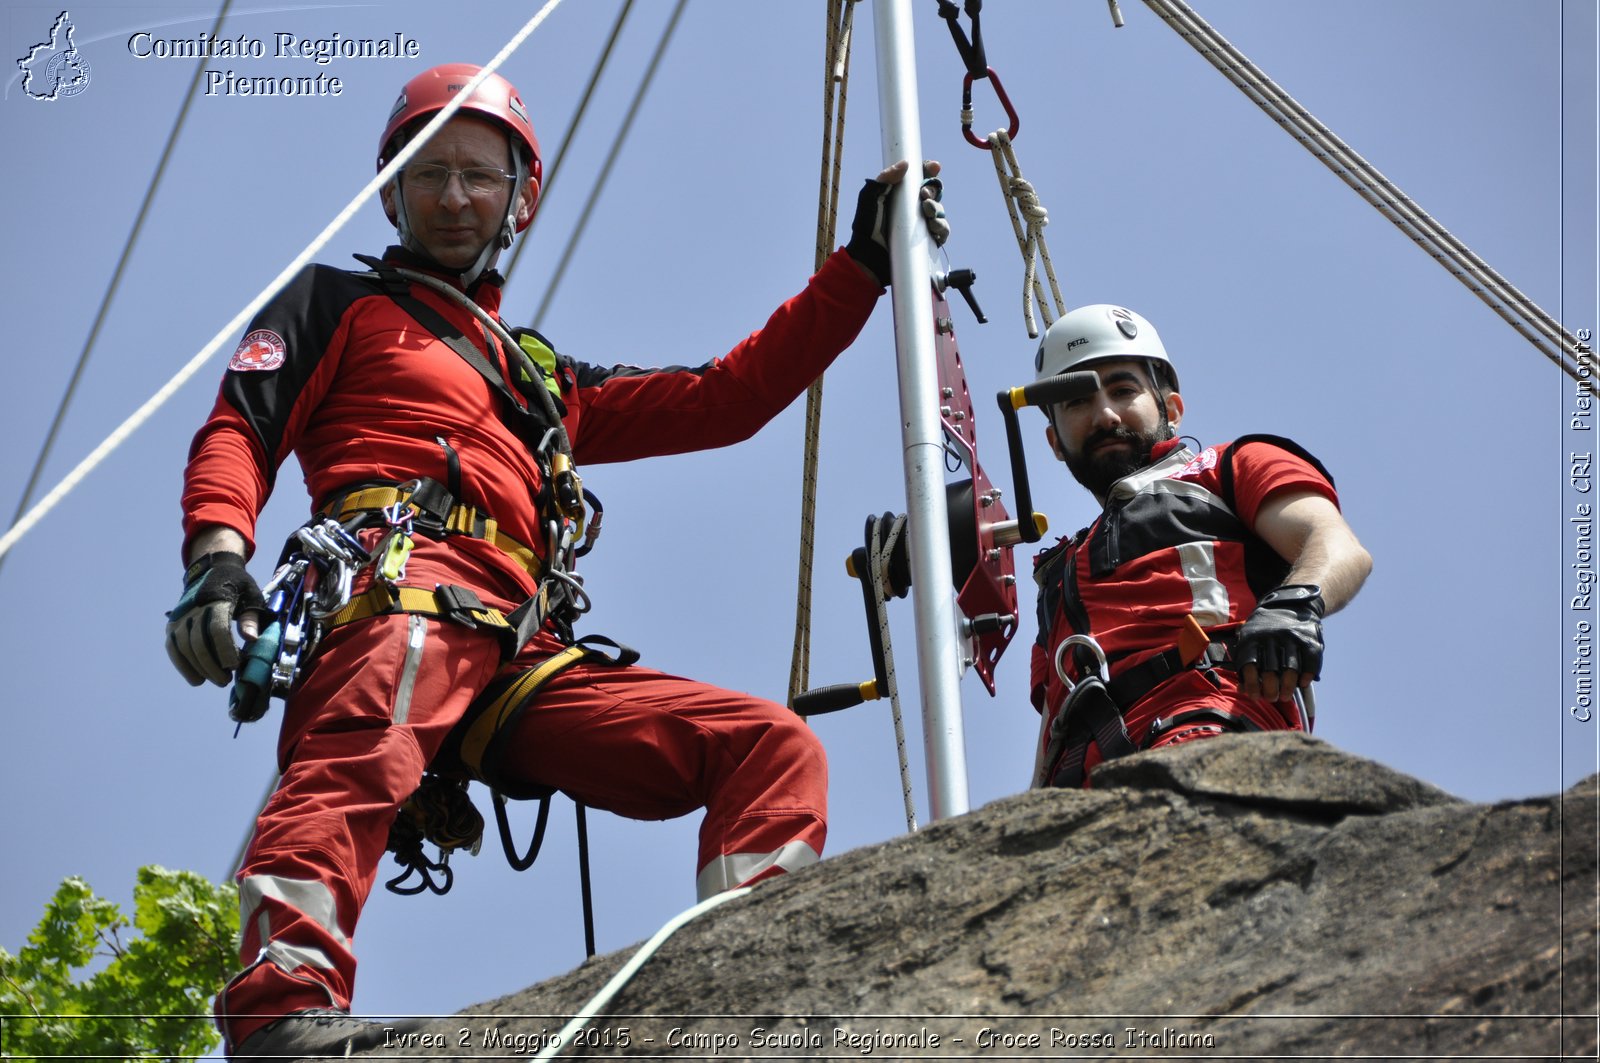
869	230
1285	631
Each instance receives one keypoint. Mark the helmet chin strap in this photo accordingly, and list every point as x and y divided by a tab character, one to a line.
508	228
491	250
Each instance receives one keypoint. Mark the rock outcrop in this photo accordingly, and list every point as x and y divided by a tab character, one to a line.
1256	896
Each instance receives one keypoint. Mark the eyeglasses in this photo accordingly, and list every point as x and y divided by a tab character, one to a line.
477	180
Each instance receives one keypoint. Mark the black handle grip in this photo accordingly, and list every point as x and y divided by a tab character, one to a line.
1061	388
833	698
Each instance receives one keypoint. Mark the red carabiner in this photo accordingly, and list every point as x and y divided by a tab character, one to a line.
966	108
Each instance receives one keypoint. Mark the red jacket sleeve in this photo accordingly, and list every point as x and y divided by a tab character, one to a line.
1262	470
627	412
276	377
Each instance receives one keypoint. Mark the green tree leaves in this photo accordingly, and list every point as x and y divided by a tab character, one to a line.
152	997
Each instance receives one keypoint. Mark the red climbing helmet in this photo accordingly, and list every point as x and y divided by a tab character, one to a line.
496	99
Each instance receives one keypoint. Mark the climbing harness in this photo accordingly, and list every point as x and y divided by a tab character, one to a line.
553	446
309	593
1092	710
312	593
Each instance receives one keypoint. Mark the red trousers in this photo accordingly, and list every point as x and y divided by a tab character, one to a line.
371	712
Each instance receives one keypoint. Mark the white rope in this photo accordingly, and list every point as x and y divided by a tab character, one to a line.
629	969
243	317
1516	309
881	551
1028	219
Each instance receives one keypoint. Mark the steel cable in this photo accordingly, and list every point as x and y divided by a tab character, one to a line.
1516	309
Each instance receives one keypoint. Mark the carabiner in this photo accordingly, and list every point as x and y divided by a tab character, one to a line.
966	110
1081	640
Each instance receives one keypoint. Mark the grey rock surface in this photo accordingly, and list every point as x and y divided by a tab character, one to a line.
1257	896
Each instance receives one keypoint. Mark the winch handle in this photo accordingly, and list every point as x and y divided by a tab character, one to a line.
833	698
1045	392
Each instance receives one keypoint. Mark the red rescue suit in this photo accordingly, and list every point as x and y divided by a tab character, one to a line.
336	372
1174	541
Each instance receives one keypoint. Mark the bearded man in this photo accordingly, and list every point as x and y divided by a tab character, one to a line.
1193	605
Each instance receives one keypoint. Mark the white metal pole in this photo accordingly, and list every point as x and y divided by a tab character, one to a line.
938	661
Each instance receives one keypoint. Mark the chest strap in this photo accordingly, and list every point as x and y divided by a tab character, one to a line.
457	519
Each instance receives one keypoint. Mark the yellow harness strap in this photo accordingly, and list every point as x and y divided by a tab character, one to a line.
487	721
379	598
462	520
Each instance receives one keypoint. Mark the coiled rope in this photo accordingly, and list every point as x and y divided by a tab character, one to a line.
243	317
1516	309
836	85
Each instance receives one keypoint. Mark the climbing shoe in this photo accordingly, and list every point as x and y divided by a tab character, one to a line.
318	1032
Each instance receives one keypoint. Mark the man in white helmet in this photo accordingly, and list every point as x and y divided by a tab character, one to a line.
1193	605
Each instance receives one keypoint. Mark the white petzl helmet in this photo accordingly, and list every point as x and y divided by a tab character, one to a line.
1098	333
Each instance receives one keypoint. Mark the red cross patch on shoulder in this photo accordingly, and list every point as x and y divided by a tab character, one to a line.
1207	459
261	350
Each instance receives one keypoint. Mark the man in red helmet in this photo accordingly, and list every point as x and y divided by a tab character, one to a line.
446	446
1193	605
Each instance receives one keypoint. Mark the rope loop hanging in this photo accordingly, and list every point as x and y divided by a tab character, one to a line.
1028	220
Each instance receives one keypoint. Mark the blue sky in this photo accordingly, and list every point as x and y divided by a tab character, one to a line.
1290	306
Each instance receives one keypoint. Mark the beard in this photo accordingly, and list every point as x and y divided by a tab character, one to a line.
1098	471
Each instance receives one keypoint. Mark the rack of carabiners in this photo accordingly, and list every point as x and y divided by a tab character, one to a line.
311	585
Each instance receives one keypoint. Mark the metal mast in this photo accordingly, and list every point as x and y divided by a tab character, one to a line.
938	655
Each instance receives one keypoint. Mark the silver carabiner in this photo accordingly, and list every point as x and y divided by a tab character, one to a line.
1080	640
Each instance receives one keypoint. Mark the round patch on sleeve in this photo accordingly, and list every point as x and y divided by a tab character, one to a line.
261	350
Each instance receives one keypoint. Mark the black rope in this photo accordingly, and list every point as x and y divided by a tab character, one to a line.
583	879
572	131
525	861
605	171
